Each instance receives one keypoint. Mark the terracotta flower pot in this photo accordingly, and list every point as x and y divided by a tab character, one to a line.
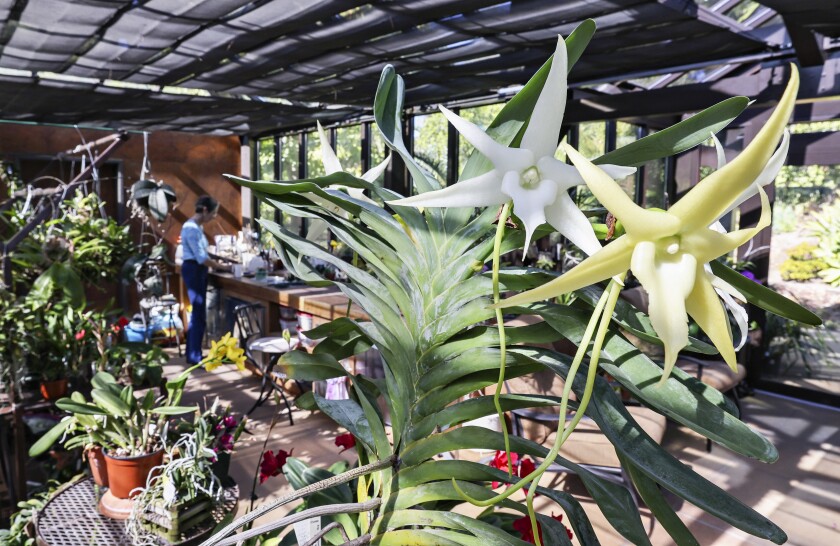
98	466
128	473
53	390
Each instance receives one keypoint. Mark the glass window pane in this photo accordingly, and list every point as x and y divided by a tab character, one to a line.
349	149
265	159
314	164
592	139
289	157
654	184
481	116
625	133
430	144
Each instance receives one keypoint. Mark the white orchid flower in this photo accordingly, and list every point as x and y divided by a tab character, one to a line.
730	296
530	176
667	250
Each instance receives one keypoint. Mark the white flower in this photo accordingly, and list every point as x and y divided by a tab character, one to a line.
530	175
668	250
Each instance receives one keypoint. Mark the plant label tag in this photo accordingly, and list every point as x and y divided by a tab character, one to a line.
305	530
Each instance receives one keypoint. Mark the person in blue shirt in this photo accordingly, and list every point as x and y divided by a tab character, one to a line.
194	271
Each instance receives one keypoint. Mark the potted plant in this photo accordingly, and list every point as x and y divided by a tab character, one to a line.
129	429
219	430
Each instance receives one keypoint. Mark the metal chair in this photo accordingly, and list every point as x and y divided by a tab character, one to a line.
273	346
155	298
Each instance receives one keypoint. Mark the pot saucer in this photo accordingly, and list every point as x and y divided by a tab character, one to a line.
114	508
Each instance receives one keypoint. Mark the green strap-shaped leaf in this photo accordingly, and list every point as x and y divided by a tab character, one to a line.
763	297
632	442
349	415
655	501
684	400
110	402
311	367
72	406
614	500
450	520
444	470
48	439
158	205
174	410
679	137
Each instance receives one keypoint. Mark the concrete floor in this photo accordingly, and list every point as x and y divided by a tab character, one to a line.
800	493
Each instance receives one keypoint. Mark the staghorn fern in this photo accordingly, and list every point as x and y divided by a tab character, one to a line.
427	304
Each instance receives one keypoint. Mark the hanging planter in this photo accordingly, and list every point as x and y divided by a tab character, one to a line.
153	197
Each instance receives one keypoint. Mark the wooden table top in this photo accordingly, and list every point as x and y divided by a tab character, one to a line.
324	302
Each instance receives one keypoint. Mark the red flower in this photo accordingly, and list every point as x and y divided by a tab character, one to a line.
500	461
346	441
523	526
526	466
121	323
79	335
272	465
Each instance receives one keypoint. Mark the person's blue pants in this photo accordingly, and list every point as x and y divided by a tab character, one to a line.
195	279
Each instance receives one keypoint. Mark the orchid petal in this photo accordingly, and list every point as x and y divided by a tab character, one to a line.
568	219
705	203
563	174
771	170
704	307
328	157
529	203
373	174
481	191
617	172
726	292
543	131
721	153
668	281
707	244
503	158
643	224
611	260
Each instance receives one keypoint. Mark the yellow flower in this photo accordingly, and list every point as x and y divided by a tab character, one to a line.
668	250
211	365
218	349
237	356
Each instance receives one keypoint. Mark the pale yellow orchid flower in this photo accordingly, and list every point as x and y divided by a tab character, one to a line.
667	251
730	296
530	175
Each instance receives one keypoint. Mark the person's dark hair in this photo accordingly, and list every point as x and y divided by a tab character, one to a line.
205	203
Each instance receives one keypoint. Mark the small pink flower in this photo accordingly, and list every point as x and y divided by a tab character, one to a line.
226	442
79	335
229	421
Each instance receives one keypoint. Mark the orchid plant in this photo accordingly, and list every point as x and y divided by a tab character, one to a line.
431	315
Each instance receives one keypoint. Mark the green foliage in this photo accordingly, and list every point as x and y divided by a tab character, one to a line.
21	531
86	245
787	343
803	263
115	418
427	307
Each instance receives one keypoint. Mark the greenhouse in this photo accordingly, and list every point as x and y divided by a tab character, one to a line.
429	272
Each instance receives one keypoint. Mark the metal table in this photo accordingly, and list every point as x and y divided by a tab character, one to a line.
71	518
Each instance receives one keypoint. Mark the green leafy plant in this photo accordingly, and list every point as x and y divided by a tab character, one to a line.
21	531
803	263
154	197
115	418
430	311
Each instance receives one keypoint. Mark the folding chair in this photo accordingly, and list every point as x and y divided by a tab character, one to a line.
272	346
